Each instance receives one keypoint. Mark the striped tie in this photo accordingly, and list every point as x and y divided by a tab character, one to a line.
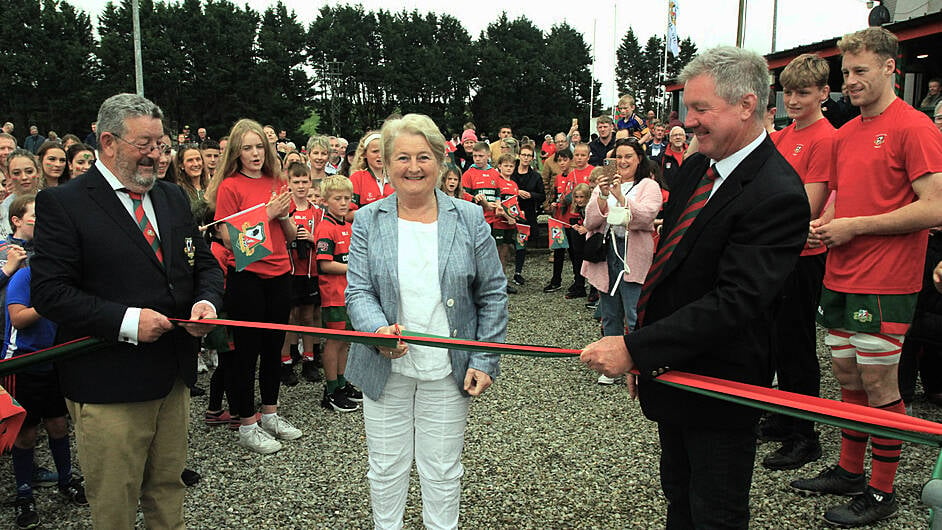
696	203
144	223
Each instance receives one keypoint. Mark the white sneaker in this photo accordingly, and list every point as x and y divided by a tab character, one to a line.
201	367
279	427
606	380
257	440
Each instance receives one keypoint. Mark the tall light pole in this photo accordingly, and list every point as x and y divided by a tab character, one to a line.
138	66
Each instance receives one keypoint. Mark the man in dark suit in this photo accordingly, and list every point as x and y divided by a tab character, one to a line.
117	254
708	301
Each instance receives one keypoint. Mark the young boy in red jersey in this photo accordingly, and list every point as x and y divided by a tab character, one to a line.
480	180
887	177
581	169
305	295
503	223
806	144
333	243
558	202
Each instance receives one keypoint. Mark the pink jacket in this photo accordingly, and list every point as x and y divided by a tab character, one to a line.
644	208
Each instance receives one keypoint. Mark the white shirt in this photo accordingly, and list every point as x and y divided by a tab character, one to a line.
729	164
420	301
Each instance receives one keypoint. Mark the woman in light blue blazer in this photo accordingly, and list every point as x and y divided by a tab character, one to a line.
426	262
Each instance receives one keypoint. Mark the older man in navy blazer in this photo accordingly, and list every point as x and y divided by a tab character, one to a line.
736	224
117	255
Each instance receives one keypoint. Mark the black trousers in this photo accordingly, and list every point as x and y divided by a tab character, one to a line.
922	349
794	350
255	299
576	251
706	474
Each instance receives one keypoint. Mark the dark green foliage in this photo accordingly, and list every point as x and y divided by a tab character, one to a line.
208	63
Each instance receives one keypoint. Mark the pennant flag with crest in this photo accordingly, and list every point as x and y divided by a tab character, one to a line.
557	236
512	207
248	232
523	234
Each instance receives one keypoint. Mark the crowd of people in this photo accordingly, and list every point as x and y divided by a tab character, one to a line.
712	246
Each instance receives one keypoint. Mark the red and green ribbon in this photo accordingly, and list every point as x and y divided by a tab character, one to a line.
839	414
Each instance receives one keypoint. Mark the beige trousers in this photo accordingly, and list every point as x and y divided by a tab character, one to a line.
134	452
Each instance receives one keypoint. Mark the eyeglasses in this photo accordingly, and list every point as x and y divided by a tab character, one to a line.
146	148
529	155
938	117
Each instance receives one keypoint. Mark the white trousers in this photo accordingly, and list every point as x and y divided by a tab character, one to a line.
424	420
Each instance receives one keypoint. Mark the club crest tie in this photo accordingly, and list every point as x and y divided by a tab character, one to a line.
144	224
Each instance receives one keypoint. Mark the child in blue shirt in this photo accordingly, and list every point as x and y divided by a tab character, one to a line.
36	388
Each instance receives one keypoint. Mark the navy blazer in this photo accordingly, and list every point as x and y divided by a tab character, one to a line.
712	308
92	263
473	286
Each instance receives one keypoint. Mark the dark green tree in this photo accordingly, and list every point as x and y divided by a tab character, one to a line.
511	82
347	35
46	73
629	65
282	85
568	79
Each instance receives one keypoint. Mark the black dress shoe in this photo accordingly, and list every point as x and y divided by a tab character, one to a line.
190	477
196	391
775	428
793	454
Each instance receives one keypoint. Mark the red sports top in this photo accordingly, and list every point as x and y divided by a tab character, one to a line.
874	164
809	152
333	244
238	192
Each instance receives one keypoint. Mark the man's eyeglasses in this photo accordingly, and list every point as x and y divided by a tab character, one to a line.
530	155
146	149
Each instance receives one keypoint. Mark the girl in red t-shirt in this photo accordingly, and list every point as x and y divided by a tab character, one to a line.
249	173
369	182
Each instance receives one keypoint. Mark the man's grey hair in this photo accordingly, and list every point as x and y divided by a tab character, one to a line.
735	71
121	107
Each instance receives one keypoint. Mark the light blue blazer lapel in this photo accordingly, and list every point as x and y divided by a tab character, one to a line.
385	257
447	227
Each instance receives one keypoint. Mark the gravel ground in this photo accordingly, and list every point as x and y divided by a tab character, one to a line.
546	447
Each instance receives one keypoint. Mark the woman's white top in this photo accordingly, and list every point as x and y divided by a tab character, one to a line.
420	301
629	191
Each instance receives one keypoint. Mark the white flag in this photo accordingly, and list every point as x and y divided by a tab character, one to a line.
673	45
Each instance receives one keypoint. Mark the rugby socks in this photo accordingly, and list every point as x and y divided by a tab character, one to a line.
23	471
341	381
59	447
853	443
886	453
332	385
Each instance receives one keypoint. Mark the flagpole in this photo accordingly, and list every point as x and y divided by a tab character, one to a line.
614	52
662	93
204	227
595	55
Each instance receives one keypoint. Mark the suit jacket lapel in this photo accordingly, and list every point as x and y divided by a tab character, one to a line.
101	192
389	246
447	228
